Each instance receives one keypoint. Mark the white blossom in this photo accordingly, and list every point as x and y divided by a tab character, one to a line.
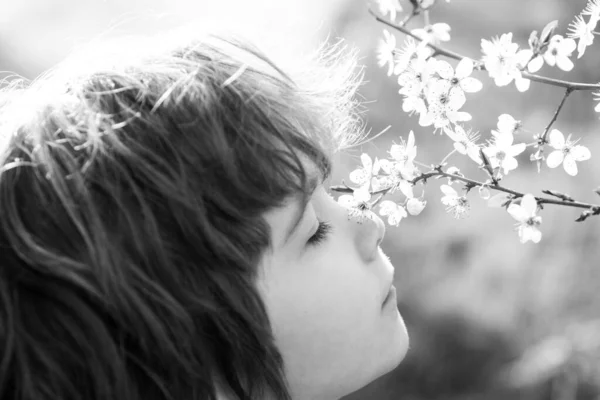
558	52
503	61
566	152
393	211
414	205
405	152
391	7
459	80
506	123
414	79
592	9
444	105
357	203
584	32
415	103
435	33
484	192
453	171
456	205
385	51
502	151
369	168
402	168
464	142
411	51
536	63
528	221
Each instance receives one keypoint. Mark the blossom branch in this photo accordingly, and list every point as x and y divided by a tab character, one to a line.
450	54
437	171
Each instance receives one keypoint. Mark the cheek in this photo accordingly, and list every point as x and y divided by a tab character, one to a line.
330	308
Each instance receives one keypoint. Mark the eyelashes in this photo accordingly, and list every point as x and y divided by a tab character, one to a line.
321	234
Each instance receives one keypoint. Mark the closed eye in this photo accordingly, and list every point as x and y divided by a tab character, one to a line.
320	234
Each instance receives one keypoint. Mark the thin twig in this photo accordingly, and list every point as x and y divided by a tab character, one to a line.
447	157
450	54
410	16
540	200
543	138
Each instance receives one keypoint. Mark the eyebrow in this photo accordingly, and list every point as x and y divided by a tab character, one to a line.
313	183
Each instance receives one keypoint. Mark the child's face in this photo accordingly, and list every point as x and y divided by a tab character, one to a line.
325	300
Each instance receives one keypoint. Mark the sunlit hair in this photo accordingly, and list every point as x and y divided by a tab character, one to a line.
133	183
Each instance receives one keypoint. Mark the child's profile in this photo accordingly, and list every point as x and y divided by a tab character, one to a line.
166	230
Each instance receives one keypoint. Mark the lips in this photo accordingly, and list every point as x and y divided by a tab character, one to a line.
387	293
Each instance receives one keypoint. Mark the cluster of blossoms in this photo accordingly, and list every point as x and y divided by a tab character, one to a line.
584	31
436	91
389	176
431	88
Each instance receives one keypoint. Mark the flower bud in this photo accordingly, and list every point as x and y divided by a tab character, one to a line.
415	206
484	192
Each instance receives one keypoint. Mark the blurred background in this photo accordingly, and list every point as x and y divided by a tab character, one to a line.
489	318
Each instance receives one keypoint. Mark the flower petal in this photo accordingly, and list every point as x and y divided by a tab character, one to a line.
456	98
362	194
525	233
536	64
358	176
535	235
385	165
387	207
415	206
568	46
448	190
367	162
555	159
471	85
406	188
570	165
557	139
464	68
564	63
457	134
580	153
444	69
462	116
410	144
518	213
506	123
498	199
509	164
346	200
517	149
529	204
458	146
522	84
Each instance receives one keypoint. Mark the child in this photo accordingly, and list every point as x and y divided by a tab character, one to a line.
166	230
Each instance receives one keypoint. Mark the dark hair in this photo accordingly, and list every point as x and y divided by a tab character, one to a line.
132	191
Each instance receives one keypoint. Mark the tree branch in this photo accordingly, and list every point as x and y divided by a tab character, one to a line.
450	54
438	172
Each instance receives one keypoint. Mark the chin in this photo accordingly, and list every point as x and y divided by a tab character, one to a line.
396	348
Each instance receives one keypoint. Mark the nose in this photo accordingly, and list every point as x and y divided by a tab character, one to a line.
369	235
